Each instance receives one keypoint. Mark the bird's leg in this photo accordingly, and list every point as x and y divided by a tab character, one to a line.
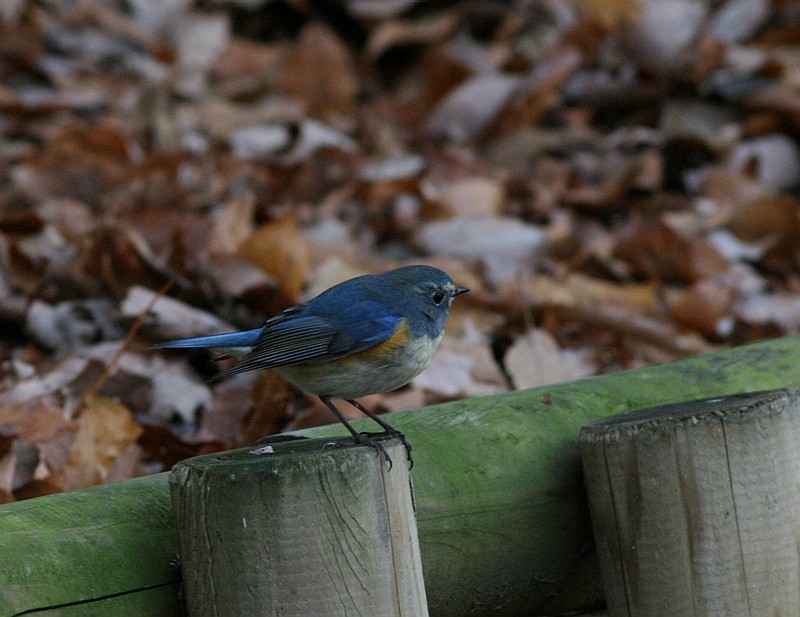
357	437
388	428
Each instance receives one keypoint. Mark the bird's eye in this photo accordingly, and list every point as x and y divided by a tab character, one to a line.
438	298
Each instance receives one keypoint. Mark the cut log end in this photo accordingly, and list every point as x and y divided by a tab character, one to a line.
298	528
696	506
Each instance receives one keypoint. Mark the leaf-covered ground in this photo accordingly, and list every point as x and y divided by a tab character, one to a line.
617	182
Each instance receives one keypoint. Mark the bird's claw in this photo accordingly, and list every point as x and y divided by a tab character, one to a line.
363	439
397	434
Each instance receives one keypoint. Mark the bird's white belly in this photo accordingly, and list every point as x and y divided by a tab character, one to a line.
363	373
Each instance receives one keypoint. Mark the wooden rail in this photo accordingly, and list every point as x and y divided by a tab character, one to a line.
503	523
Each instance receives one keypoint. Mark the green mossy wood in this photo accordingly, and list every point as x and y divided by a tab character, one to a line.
108	550
503	523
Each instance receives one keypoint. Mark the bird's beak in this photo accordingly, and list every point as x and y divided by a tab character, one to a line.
459	290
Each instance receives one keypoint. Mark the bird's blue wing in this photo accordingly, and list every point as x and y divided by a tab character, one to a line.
299	336
360	324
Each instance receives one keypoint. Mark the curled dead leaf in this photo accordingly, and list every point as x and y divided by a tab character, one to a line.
471	106
321	72
706	307
657	250
281	250
105	430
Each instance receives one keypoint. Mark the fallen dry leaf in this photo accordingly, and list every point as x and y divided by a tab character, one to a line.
579	289
199	38
776	159
773	222
471	106
320	71
614	12
471	197
244	66
706	307
662	31
782	309
505	246
280	249
172	318
655	249
534	359
105	430
394	33
448	375
233	225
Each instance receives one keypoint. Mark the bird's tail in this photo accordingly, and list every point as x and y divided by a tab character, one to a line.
230	341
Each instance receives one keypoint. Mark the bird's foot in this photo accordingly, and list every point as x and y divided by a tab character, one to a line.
366	439
373	441
363	439
393	432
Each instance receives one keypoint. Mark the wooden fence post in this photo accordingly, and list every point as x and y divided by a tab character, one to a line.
696	507
298	528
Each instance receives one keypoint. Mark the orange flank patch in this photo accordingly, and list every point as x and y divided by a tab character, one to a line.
390	345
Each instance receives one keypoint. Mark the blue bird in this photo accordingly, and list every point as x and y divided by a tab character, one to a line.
370	334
